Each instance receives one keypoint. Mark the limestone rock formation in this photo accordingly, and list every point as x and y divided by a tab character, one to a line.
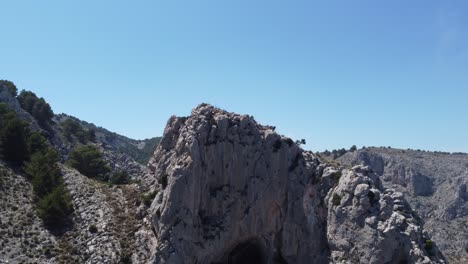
234	191
435	186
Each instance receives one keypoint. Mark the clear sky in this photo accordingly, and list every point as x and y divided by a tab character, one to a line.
337	73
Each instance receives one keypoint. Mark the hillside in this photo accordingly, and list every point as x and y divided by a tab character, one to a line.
434	183
218	188
106	225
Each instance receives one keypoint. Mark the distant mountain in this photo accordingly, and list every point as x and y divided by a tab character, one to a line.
434	183
139	150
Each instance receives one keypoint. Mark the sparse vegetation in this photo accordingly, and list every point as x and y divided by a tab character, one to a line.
300	142
149	197
336	199
336	153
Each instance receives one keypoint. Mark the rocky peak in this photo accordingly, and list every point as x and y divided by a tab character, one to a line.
234	191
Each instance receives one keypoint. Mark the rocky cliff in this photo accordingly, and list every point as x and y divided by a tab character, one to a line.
435	185
234	191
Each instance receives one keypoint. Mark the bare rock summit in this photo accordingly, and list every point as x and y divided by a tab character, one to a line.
234	191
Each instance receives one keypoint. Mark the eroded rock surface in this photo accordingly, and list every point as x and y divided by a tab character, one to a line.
234	191
435	186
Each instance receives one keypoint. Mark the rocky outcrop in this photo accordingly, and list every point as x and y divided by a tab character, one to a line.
234	191
368	224
435	186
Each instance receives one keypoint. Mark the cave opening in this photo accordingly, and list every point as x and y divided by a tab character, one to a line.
249	252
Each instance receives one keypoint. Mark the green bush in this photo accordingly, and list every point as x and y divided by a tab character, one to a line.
36	142
43	170
88	161
55	207
36	106
91	135
10	86
119	177
13	136
93	229
336	200
72	128
336	176
429	246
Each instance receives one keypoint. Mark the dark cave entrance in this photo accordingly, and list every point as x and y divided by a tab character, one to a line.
249	252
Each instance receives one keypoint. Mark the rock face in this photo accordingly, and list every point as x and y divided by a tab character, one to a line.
435	186
234	191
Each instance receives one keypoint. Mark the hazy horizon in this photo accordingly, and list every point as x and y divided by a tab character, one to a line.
336	74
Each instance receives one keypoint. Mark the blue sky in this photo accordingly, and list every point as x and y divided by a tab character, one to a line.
337	73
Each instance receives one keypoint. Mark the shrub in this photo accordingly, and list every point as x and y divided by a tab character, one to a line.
88	160
429	246
126	258
36	143
36	106
43	170
72	128
300	142
93	229
336	200
337	175
13	135
91	135
163	181
55	207
119	177
9	86
371	196
148	198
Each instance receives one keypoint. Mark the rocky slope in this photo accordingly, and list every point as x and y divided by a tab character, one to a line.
107	225
138	150
116	212
234	191
435	184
